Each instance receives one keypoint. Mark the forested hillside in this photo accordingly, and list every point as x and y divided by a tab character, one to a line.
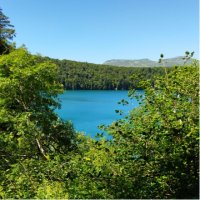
81	75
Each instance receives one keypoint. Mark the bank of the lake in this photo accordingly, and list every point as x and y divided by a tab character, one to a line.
88	109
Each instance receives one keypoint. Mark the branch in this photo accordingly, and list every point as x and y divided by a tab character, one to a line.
41	149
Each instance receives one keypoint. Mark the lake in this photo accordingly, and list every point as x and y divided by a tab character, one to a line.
87	109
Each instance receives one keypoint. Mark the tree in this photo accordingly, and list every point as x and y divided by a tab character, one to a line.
7	33
157	145
33	136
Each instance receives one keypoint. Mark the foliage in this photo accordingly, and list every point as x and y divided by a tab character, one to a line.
30	131
158	144
82	75
6	33
90	168
153	153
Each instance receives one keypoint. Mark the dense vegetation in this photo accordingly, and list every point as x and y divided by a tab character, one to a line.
7	32
154	152
79	75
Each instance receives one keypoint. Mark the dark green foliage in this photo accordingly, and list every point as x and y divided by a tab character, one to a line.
76	75
6	34
79	75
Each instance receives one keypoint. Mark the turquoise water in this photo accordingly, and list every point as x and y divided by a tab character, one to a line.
87	109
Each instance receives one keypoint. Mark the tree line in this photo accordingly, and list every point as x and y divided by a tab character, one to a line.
87	76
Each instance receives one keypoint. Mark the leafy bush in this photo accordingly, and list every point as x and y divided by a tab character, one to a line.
158	144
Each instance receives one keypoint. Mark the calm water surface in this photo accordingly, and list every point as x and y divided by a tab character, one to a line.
88	109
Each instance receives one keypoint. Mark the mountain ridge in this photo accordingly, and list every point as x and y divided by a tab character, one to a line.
145	62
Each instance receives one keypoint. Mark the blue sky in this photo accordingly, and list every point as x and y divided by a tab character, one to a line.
98	30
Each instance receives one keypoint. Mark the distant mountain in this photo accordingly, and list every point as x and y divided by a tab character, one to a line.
147	62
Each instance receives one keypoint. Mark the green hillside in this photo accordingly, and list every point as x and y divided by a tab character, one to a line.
82	75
